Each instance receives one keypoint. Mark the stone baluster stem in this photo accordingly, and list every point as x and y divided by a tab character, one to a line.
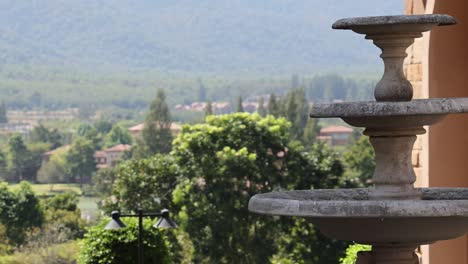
393	86
394	175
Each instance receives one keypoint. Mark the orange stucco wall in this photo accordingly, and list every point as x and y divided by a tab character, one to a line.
448	141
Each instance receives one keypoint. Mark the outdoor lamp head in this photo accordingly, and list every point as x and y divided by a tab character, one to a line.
165	221
115	222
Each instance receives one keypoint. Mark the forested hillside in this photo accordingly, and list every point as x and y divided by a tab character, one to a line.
203	36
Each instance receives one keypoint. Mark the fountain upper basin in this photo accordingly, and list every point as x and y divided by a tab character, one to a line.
406	114
348	214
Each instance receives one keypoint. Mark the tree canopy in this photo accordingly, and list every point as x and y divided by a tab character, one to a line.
226	161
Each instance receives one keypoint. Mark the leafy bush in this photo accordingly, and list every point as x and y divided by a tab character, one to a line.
20	211
352	251
62	215
121	246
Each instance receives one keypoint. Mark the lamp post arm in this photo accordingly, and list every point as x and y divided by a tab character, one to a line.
143	215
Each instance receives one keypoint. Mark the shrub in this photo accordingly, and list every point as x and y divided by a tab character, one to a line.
121	246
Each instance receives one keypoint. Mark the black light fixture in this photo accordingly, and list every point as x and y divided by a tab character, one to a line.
164	222
115	222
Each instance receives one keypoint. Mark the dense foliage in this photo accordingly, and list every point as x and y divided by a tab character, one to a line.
225	162
81	161
352	252
20	212
145	183
360	163
121	246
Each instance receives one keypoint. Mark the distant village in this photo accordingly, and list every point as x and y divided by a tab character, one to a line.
24	121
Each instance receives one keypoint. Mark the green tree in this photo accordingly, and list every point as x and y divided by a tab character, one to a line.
103	181
146	183
3	113
226	161
18	157
34	162
80	160
274	108
360	163
208	109
35	99
3	164
56	169
20	211
296	110
239	106
120	246
311	131
261	107
117	135
63	215
89	132
157	137
103	126
42	134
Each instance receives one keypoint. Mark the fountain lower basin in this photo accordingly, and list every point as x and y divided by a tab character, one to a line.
351	214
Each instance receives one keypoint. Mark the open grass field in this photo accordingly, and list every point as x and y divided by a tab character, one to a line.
50	189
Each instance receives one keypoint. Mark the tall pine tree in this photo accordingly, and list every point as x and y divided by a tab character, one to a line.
208	108
274	106
261	107
3	113
239	106
156	136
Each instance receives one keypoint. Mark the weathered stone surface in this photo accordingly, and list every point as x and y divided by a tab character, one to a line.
436	202
418	107
350	23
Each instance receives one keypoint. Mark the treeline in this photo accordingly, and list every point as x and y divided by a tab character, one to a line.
48	155
48	88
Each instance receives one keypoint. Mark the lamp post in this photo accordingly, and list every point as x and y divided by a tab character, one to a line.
164	222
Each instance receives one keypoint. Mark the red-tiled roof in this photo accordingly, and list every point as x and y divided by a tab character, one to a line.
118	148
336	129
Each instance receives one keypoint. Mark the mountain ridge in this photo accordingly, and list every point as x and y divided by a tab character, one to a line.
204	36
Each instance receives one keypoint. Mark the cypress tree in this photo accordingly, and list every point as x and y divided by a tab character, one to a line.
310	131
261	107
208	108
3	113
157	137
273	106
239	106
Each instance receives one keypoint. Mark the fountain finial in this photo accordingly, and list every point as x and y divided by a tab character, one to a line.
393	35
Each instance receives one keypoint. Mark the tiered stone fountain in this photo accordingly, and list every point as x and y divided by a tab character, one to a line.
393	216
